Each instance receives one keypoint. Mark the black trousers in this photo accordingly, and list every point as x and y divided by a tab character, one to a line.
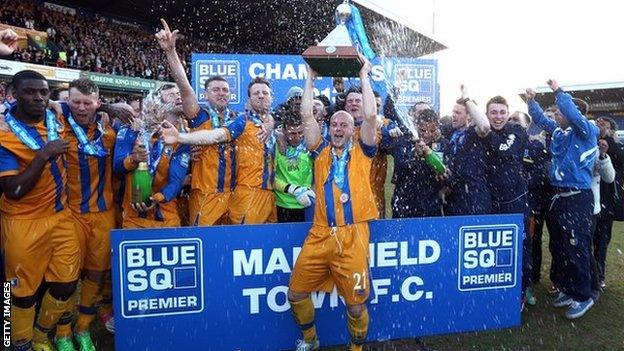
289	215
519	205
602	238
536	229
569	224
595	282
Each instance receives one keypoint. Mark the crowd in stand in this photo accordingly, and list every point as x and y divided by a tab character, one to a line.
92	43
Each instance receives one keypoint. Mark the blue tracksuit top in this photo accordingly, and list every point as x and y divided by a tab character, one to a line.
504	152
574	150
465	158
416	192
536	166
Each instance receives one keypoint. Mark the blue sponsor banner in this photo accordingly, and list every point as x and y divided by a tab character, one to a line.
170	266
419	80
224	288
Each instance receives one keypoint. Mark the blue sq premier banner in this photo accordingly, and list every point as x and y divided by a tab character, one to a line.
224	287
486	257
162	277
419	77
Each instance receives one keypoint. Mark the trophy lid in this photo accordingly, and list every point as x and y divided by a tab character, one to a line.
337	37
343	12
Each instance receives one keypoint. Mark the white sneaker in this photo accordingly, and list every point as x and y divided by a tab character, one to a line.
579	308
302	345
562	300
110	325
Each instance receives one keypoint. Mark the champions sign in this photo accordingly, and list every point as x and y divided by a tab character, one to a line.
225	287
419	77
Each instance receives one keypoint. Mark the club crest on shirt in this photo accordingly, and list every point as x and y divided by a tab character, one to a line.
511	138
461	140
121	134
184	159
167	151
293	164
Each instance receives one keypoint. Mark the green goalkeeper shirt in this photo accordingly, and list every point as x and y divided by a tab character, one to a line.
295	167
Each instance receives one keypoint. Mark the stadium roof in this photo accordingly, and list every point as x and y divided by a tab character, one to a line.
265	26
604	97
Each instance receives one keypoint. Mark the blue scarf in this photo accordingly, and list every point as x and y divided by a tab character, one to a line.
456	138
89	147
154	151
293	153
214	117
27	139
339	165
155	156
251	115
257	121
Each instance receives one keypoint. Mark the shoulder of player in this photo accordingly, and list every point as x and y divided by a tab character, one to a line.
324	152
516	130
125	134
180	149
12	143
110	135
362	150
7	138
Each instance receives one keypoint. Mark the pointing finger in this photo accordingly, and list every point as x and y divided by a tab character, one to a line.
165	25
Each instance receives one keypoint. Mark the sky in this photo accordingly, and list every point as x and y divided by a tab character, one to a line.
501	47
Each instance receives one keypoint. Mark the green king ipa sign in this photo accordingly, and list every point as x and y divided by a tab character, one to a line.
122	82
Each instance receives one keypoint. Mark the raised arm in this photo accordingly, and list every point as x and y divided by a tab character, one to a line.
120	110
8	41
537	114
311	130
167	39
580	124
481	122
368	131
170	134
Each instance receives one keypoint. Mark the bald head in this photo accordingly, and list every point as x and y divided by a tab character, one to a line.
341	128
343	115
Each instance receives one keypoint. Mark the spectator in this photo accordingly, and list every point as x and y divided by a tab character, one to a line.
610	195
536	165
603	173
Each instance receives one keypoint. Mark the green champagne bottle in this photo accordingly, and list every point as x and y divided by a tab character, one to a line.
433	160
141	184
